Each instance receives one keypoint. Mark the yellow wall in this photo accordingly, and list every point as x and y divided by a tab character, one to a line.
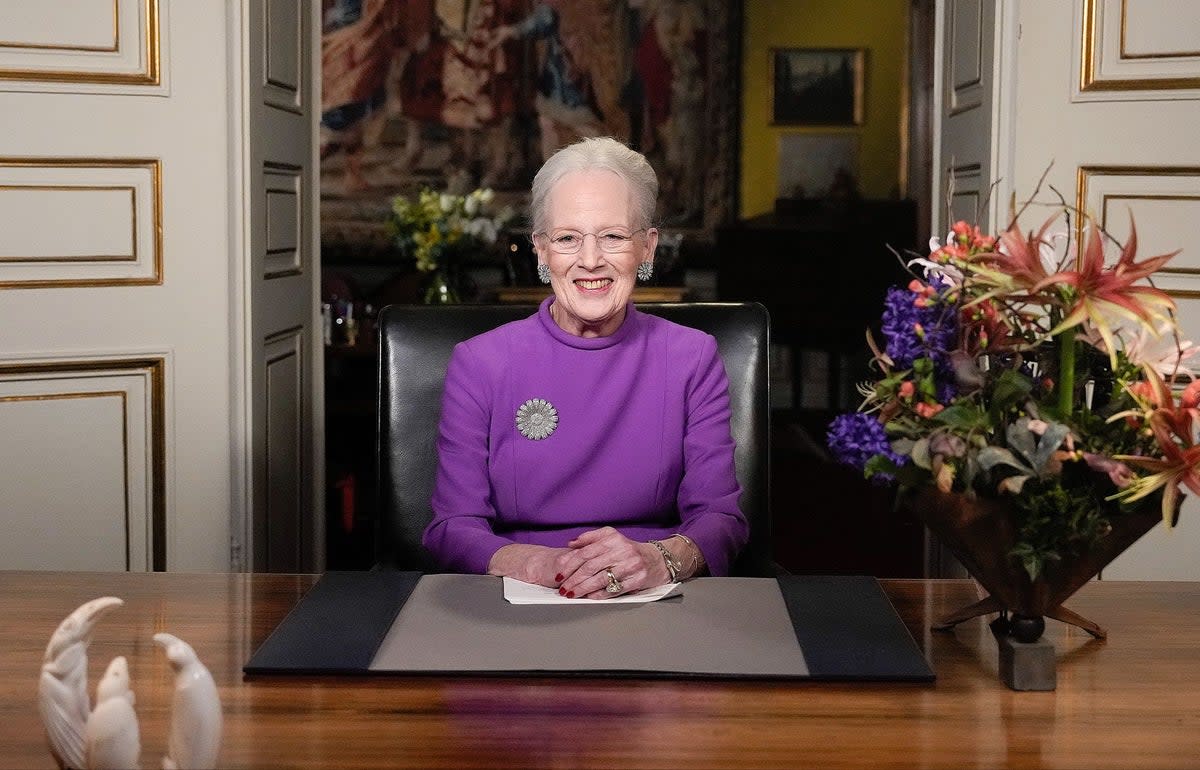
880	26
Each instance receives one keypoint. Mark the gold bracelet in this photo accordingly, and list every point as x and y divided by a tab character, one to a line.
672	563
694	565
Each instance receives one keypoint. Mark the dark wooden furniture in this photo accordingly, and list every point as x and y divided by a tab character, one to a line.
823	268
1130	702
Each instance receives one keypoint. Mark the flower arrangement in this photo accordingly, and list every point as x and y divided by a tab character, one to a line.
1022	368
438	228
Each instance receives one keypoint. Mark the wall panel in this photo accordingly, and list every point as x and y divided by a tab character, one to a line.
1140	45
965	48
82	464
283	78
284	193
80	222
285	452
1158	198
80	41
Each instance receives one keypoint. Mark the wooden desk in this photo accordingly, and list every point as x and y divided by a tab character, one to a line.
1133	701
533	295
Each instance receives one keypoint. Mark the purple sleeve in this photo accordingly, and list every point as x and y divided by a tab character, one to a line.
709	491
460	537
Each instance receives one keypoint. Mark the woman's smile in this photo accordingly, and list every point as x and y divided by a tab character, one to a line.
593	284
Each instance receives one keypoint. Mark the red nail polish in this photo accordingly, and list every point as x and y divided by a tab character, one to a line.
558	578
570	594
562	592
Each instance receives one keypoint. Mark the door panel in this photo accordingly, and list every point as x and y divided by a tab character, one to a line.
966	133
115	286
285	525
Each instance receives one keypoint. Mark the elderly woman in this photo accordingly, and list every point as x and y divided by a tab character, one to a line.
588	446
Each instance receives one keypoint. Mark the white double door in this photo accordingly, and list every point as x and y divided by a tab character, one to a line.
159	397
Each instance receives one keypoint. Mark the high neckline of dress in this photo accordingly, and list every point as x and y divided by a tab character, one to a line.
587	343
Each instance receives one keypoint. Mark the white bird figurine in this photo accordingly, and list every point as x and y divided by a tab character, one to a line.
62	688
195	737
111	736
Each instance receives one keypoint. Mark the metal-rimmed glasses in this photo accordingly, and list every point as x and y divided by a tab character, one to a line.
614	240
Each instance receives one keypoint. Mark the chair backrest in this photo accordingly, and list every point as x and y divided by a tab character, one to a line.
415	342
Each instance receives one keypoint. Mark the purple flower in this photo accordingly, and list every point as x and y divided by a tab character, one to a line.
946	387
922	332
855	438
918	332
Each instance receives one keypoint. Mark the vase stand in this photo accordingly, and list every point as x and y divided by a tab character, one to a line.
990	604
1025	666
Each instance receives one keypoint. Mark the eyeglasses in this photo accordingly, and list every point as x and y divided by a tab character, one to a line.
615	241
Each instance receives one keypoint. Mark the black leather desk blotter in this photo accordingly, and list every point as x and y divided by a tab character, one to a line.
350	623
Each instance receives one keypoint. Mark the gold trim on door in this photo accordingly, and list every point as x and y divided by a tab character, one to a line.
1084	173
155	369
116	34
124	442
151	74
154	166
1120	197
1135	56
1089	78
132	257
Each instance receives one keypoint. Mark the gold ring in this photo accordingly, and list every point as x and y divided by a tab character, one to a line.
614	585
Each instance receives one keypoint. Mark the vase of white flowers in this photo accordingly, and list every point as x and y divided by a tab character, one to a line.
442	232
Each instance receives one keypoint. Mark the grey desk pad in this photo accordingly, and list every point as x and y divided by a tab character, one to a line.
844	628
728	627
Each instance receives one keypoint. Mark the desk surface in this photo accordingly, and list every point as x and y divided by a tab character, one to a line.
1132	701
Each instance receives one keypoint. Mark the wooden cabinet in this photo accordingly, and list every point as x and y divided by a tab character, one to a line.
350	425
823	271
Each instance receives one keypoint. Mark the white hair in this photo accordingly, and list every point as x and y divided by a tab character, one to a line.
603	153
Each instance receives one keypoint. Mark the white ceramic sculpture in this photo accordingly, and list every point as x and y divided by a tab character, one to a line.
195	712
107	738
111	737
62	688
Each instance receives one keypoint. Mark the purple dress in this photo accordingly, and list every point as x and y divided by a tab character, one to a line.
642	442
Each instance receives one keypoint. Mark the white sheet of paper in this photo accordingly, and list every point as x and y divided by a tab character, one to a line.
518	592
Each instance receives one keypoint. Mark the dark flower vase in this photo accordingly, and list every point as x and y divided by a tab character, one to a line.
980	533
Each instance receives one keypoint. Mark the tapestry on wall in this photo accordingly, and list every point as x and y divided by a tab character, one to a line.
458	94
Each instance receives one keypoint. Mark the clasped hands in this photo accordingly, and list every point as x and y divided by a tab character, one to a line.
581	569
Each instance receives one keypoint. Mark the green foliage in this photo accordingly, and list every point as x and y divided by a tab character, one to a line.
1009	391
963	417
1053	520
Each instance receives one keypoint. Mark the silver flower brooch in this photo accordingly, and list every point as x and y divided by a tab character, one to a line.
536	419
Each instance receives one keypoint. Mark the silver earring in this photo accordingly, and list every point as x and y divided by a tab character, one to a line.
543	271
645	271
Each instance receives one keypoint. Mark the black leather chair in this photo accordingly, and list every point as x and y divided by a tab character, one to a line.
415	345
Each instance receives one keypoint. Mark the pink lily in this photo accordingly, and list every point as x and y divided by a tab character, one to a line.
1020	256
1173	430
1098	290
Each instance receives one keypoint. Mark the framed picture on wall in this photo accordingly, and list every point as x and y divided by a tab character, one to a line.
817	86
818	165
